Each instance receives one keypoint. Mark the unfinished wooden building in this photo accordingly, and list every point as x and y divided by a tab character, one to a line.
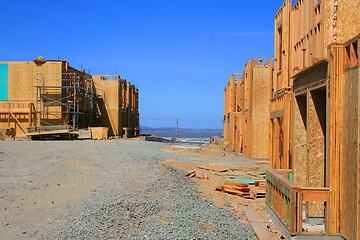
45	97
280	104
118	105
313	186
45	93
246	128
233	113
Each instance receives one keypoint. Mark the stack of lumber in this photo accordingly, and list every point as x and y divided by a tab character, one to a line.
259	191
236	188
243	189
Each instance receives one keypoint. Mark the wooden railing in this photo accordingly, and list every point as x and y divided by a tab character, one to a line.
16	107
19	112
287	199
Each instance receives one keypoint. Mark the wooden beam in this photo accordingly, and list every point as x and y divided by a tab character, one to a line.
277	113
9	117
30	115
17	121
316	195
261	232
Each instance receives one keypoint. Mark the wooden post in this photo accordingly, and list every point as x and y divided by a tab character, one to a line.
30	116
9	116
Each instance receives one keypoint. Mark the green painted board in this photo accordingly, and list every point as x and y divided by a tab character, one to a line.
4	82
243	180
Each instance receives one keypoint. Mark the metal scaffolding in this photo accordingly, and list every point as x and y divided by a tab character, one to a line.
64	99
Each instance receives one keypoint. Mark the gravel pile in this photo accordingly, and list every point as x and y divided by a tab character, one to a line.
142	199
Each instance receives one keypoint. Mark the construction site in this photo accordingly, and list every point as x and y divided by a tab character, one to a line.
310	135
48	99
74	164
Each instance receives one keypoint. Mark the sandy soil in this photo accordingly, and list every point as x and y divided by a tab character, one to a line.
43	182
235	168
38	185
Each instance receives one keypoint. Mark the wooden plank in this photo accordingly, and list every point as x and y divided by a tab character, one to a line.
349	154
18	122
238	184
277	113
280	181
316	196
14	110
261	232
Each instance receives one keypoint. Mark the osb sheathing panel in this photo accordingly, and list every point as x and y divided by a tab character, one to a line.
22	78
348	20
227	109
231	132
230	102
358	173
327	22
316	138
111	115
260	112
316	147
349	198
341	20
247	134
238	142
247	86
299	148
272	141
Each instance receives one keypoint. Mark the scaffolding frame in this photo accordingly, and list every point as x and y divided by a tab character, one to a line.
63	98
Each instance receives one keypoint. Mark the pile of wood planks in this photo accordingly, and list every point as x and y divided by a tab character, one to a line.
259	190
243	189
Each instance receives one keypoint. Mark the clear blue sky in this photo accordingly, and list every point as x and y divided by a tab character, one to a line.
176	52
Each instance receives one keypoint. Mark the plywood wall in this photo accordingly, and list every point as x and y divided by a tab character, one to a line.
299	140
22	78
260	111
110	104
349	198
348	19
22	81
316	137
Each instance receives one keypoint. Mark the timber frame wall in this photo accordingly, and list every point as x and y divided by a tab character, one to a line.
247	109
232	112
59	94
118	105
313	184
314	119
50	94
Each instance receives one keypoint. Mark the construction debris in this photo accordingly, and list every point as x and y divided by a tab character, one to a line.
259	228
50	100
243	189
196	174
243	180
215	169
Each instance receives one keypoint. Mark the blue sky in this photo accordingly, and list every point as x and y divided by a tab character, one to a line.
177	52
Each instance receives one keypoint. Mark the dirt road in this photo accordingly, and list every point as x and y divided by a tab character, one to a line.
115	189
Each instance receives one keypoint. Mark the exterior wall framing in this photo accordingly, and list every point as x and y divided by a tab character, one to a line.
47	95
246	121
322	89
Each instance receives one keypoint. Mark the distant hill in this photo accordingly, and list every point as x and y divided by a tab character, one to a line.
183	132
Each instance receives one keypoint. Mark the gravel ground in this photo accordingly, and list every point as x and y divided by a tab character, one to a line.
104	190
